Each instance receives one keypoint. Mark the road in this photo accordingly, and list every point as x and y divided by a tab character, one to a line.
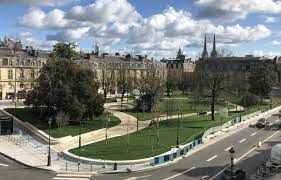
10	170
211	160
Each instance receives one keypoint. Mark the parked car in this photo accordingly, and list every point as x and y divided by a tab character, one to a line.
262	123
237	174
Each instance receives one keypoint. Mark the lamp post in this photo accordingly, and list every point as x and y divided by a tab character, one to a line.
231	151
80	133
178	129
49	150
108	120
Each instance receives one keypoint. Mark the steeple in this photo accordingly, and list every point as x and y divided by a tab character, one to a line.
205	51
214	51
179	53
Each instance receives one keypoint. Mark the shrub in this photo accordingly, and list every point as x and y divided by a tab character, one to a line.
249	100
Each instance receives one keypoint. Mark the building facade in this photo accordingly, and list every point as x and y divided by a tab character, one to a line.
18	68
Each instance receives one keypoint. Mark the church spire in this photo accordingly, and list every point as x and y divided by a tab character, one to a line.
205	51
214	51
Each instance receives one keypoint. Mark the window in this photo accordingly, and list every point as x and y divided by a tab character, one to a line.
21	73
32	63
22	63
32	74
10	62
10	74
21	85
5	62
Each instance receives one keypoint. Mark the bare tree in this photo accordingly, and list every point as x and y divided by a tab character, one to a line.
107	81
151	85
124	81
211	80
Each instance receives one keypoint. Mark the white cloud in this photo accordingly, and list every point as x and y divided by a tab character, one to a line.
105	11
36	18
27	39
39	2
69	34
261	53
270	19
238	9
275	42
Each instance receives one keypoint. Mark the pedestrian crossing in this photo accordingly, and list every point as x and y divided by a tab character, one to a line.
71	176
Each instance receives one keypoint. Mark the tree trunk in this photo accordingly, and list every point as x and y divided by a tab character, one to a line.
213	106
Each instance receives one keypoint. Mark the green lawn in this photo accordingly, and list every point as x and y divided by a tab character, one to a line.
34	117
143	144
140	144
171	107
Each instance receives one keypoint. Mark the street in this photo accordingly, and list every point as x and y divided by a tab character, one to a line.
10	170
208	162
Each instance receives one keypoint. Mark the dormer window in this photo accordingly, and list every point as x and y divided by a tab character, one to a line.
10	62
32	63
22	63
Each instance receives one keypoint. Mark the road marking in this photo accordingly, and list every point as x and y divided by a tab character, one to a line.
69	178
227	149
74	175
208	160
277	120
242	140
254	134
4	165
140	177
176	175
270	124
204	177
243	155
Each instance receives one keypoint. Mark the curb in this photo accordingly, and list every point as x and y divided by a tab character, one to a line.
21	163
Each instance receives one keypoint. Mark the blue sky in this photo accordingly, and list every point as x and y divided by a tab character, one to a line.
153	27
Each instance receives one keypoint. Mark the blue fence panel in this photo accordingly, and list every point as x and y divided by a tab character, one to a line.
181	152
194	143
156	160
190	146
174	155
166	158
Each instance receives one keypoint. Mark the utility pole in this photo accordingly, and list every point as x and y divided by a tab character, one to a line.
177	141
49	150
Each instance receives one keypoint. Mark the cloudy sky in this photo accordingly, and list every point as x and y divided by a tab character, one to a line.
153	27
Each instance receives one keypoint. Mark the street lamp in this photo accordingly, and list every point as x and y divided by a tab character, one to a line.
178	128
231	151
80	133
108	120
49	151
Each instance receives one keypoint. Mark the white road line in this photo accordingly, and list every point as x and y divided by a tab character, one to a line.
204	177
74	175
277	120
244	155
270	124
227	149
6	165
140	177
69	178
254	134
176	175
208	160
242	140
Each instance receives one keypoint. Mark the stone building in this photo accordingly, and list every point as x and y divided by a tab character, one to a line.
238	68
18	68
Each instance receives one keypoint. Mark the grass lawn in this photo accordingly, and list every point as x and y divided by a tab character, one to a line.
144	143
33	117
171	106
140	144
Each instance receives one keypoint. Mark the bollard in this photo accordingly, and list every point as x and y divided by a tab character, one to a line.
91	167
78	166
115	166
65	166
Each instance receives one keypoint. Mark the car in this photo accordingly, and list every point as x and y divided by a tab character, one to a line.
261	123
237	174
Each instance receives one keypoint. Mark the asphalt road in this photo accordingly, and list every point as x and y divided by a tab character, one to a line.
10	170
209	161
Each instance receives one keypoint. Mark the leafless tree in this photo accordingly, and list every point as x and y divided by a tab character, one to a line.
107	81
124	82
